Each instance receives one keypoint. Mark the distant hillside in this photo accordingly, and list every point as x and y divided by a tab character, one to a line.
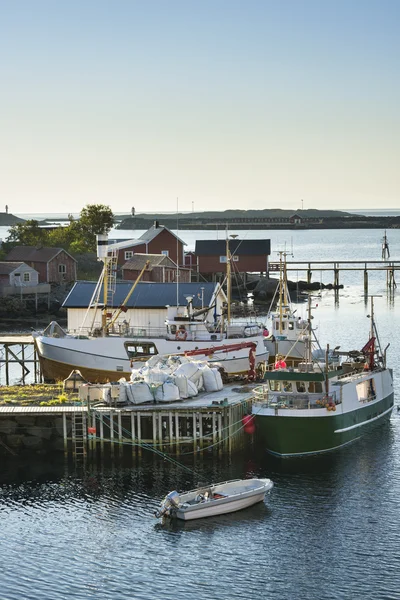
261	219
271	213
6	219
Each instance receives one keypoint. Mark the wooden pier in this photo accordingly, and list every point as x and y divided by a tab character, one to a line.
210	422
388	267
19	350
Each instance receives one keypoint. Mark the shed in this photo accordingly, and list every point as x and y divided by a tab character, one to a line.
54	265
17	274
160	269
247	255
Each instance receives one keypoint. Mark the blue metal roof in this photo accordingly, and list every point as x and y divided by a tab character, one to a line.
145	295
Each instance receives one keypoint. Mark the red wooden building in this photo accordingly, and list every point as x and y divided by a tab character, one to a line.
156	240
54	265
247	255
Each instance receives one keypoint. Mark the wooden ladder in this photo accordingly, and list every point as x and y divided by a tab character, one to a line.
79	435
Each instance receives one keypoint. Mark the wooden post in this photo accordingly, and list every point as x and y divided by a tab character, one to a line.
111	432
220	432
154	419
214	428
23	362
101	433
177	439
133	431
7	372
336	277
139	432
65	433
201	430
160	436
120	436
309	273
194	432
366	282
171	428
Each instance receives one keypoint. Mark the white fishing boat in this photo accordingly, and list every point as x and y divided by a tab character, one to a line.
288	332
213	500
112	344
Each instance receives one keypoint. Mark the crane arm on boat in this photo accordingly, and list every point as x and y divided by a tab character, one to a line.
230	348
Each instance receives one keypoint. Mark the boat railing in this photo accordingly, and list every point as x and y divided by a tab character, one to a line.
264	398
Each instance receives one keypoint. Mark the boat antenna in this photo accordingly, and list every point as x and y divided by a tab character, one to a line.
177	257
228	277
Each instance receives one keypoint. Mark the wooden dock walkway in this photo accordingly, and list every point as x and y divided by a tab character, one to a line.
211	421
389	267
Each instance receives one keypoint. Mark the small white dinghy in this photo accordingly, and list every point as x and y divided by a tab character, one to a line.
216	499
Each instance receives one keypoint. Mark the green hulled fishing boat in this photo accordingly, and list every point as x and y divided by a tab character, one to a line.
326	401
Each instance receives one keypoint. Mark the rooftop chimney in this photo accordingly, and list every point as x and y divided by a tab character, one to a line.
156	224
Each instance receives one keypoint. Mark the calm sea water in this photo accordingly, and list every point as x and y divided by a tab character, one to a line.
329	530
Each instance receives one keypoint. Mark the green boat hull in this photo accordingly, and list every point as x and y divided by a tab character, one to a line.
294	436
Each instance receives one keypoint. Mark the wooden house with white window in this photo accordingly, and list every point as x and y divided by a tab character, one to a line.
248	256
17	274
54	265
18	278
156	240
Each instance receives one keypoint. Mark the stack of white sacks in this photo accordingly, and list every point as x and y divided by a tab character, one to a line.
167	379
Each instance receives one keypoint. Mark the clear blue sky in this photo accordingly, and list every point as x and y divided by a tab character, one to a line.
221	104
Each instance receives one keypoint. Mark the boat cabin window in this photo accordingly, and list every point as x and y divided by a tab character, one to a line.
301	386
172	329
280	386
291	325
140	349
274	386
315	387
366	390
280	326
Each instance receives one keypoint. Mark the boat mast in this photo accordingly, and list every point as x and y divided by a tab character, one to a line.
281	291
228	278
102	254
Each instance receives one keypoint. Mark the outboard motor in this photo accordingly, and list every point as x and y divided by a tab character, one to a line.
170	502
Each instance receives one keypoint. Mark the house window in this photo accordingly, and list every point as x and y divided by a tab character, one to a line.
27	276
165	252
128	254
62	269
235	258
222	259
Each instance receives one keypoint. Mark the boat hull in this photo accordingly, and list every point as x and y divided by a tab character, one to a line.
300	435
106	359
220	507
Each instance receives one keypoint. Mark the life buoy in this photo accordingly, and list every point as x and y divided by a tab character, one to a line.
181	334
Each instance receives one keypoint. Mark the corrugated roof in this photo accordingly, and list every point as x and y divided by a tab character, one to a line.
151	233
137	262
238	247
8	267
145	295
125	244
34	254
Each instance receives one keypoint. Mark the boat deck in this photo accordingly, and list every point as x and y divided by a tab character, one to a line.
230	395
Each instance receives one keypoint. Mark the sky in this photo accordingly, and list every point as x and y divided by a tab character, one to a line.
180	104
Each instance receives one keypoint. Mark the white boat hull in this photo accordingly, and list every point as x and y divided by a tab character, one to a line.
106	358
220	507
